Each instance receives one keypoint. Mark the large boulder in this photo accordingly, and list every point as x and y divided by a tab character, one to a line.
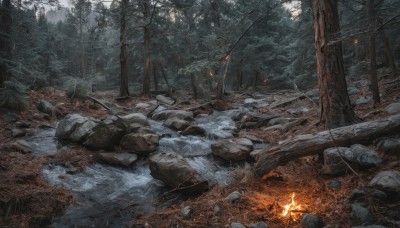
141	143
81	131
176	124
387	180
170	114
333	163
68	125
390	146
123	159
138	118
104	136
172	169
230	149
364	156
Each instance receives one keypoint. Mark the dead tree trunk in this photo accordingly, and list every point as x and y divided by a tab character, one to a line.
310	144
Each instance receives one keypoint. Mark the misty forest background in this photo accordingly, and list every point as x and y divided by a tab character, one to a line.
184	45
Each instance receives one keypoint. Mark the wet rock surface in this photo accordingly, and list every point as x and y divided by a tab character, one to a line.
234	150
123	159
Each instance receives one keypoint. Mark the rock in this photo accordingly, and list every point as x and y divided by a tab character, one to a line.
81	131
186	211
386	180
17	133
194	130
45	107
104	136
236	225
138	118
142	106
217	210
370	226
176	124
333	163
10	117
356	194
170	114
233	197
175	172
258	225
353	90
22	124
68	125
298	111
362	156
311	221
255	103
360	215
73	170
393	108
110	119
220	105
334	184
230	149
377	194
389	146
255	153
20	146
362	100
124	159
140	143
165	100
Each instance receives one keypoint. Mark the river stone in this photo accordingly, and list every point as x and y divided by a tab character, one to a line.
104	136
362	100
20	146
124	159
176	124
17	133
140	143
393	108
170	114
390	146
362	156
194	130
311	221
82	130
387	180
142	105
233	197
45	107
231	149
333	163
258	225
236	225
68	125
220	105
138	118
165	100
172	169
360	215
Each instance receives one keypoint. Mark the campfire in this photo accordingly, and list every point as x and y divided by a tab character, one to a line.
292	210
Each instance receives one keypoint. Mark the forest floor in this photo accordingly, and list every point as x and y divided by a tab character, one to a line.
28	200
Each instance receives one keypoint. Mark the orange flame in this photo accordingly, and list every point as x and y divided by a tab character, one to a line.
292	206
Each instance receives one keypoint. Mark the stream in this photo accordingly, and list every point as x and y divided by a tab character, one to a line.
110	196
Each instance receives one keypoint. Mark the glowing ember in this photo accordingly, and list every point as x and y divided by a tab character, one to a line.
290	208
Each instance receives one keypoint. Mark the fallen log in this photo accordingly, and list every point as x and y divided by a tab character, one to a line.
310	144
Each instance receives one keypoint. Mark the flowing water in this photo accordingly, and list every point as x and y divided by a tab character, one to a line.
109	196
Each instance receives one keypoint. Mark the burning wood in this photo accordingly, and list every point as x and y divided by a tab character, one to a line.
291	208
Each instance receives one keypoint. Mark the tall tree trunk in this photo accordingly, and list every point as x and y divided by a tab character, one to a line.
147	50
194	86
239	77
335	107
82	47
123	57
5	39
155	77
372	54
388	52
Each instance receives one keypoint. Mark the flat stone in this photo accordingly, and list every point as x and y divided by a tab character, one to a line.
138	118
123	159
393	108
258	225
165	100
140	143
21	146
17	133
177	114
236	225
176	124
232	150
142	105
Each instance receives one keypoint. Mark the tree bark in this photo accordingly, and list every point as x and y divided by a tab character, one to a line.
147	50
155	78
5	39
123	57
335	106
389	55
310	144
372	54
